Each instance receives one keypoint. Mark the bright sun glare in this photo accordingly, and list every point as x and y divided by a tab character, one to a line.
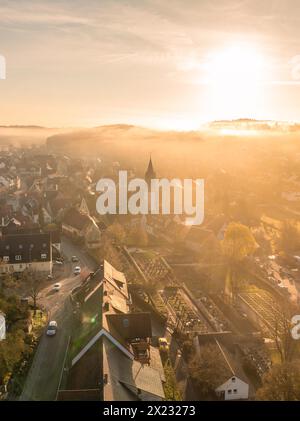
234	76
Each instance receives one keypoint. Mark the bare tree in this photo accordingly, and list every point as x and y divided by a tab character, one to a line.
281	331
34	282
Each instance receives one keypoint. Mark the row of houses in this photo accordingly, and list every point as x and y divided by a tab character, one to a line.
110	357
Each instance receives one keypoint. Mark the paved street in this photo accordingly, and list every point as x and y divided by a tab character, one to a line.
44	375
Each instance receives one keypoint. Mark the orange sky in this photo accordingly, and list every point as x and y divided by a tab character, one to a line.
157	63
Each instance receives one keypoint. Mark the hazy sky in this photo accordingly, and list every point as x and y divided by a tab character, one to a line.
160	63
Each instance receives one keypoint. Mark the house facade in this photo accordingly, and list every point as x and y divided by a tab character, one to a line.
21	251
233	389
81	226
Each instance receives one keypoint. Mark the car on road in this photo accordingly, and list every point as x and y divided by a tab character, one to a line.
56	287
77	270
163	345
52	328
75	259
59	262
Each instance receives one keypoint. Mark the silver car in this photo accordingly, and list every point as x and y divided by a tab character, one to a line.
52	328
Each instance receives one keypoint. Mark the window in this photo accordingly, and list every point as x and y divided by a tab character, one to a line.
18	257
43	256
126	323
5	258
234	390
233	379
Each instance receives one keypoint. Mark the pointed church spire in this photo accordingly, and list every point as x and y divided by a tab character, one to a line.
150	173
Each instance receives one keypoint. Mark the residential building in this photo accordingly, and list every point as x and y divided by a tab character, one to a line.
81	226
111	357
233	389
20	251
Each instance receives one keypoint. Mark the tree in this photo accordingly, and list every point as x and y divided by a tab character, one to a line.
13	309
11	350
281	383
208	370
116	232
138	237
289	239
281	331
109	253
8	281
238	244
34	282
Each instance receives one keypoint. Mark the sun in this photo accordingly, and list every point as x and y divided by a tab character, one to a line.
236	65
235	75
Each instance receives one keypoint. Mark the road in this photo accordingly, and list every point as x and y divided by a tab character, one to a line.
44	375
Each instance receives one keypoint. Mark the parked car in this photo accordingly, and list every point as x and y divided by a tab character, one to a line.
56	287
59	262
163	345
52	328
77	270
75	259
50	276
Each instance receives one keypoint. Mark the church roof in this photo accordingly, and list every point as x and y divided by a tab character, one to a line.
150	173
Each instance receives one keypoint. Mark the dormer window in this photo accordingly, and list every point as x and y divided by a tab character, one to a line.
43	256
18	257
20	246
233	379
7	247
31	246
126	323
5	258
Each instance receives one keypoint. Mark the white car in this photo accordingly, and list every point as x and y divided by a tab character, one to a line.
52	328
56	287
77	270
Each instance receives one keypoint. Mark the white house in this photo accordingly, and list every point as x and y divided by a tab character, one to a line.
233	389
2	326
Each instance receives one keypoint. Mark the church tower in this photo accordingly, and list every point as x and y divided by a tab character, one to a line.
150	173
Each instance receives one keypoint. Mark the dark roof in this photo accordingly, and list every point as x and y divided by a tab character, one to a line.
58	204
131	325
76	219
29	247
